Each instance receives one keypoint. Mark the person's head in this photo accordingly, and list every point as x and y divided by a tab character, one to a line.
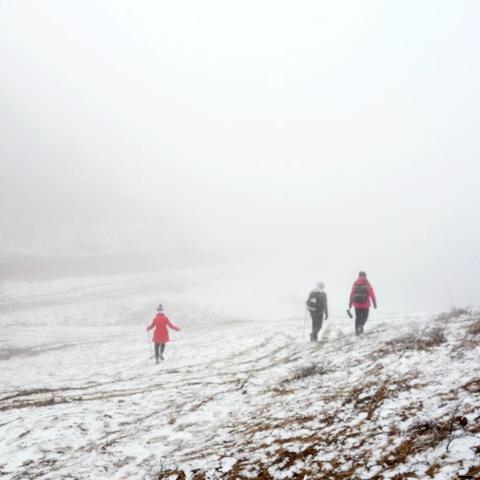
160	308
320	285
362	274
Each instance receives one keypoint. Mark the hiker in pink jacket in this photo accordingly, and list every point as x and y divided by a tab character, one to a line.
360	296
160	335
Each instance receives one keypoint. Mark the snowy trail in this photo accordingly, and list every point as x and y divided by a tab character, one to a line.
242	399
181	391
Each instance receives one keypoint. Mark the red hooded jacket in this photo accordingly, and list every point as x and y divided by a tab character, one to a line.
371	294
161	322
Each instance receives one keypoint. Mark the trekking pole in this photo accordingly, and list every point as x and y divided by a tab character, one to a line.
305	323
150	345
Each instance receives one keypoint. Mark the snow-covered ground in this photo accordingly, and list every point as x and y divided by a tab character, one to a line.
241	394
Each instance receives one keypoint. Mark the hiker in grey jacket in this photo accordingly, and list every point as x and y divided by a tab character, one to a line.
318	307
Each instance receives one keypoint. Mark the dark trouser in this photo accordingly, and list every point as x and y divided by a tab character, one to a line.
159	349
361	316
317	320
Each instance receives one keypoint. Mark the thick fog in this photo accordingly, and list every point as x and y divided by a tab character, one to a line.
309	139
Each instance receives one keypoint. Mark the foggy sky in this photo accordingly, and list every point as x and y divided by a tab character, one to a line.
334	135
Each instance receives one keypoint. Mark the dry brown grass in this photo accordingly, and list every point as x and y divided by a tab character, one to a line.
453	314
370	402
280	424
428	433
464	345
378	392
175	475
282	391
470	341
472	386
424	339
421	436
301	450
474	327
404	476
473	473
432	470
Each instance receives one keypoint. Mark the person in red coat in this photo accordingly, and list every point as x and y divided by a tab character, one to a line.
160	335
360	296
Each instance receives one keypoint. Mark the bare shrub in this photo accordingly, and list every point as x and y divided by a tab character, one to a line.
433	337
469	342
420	340
471	339
474	327
453	314
432	428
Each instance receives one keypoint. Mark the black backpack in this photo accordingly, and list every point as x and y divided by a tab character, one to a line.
317	300
360	293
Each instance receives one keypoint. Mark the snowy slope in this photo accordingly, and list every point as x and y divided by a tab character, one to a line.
236	397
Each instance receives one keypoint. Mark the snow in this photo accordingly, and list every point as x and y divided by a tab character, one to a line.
81	397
